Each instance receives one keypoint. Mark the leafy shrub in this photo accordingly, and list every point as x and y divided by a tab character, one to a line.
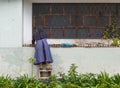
70	80
6	82
115	42
26	82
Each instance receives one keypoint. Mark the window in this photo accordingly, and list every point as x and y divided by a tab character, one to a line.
75	20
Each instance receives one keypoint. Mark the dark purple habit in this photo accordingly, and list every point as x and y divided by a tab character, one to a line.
42	49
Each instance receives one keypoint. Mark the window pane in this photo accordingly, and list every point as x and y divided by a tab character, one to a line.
96	33
70	33
57	21
41	8
57	9
38	21
57	33
90	21
70	8
77	20
83	9
109	9
96	9
83	33
118	31
47	32
103	21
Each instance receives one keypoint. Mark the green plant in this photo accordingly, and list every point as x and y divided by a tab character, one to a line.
87	80
110	30
71	85
43	85
116	79
115	41
104	81
6	82
72	73
26	82
32	60
70	80
54	82
53	78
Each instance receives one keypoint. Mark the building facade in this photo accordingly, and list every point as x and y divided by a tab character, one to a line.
16	31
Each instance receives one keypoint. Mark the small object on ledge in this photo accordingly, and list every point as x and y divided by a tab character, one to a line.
66	45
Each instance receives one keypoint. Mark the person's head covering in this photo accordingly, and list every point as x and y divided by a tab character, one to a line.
39	34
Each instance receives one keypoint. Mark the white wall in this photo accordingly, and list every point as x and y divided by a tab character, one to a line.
27	22
10	23
87	59
15	60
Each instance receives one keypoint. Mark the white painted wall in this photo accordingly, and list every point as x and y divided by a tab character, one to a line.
10	23
15	60
27	22
92	60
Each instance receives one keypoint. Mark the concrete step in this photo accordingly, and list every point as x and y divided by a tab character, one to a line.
43	74
44	78
45	70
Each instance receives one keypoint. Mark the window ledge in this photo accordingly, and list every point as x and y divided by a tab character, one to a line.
86	45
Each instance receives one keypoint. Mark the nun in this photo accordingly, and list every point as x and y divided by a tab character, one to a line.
42	49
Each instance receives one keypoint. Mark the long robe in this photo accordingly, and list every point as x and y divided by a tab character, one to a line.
42	49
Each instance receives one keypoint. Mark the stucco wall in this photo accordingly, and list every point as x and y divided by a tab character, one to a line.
14	61
10	23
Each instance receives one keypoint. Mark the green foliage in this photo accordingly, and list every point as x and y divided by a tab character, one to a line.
75	80
70	80
32	60
110	30
42	85
116	79
53	78
70	85
115	42
72	74
103	77
87	80
104	80
6	82
54	82
26	82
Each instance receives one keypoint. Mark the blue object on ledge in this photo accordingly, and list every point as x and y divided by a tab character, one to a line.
65	44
